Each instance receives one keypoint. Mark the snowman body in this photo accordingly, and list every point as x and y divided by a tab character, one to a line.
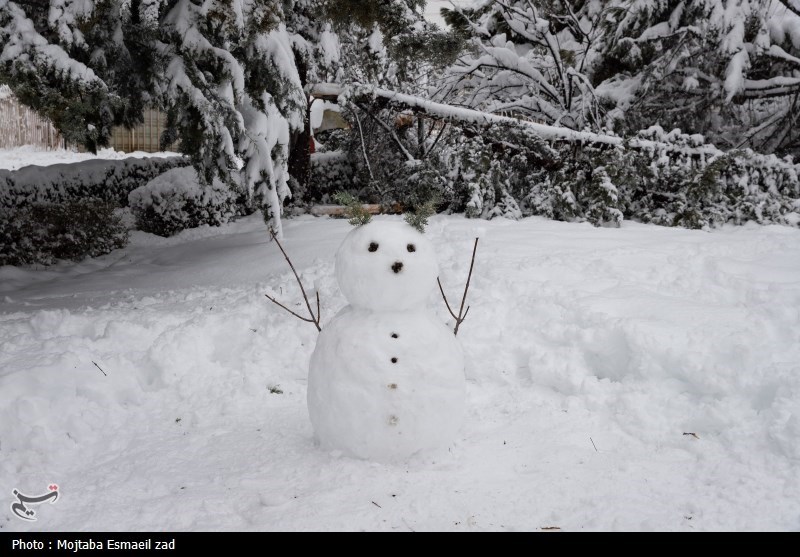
386	378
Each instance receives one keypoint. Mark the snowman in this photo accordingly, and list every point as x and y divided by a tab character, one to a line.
386	379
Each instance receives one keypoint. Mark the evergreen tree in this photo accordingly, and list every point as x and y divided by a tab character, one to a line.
229	73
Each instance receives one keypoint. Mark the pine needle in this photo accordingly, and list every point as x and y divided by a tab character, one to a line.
354	211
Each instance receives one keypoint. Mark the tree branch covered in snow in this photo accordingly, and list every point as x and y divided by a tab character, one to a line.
715	67
548	132
525	62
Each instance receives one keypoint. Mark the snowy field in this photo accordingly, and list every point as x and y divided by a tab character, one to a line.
640	378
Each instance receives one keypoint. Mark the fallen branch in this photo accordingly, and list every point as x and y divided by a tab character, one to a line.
98	367
314	318
460	318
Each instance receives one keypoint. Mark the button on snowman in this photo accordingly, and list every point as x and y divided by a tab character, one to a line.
386	378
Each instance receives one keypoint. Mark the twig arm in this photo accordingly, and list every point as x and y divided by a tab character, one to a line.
462	313
314	318
274	301
469	277
445	298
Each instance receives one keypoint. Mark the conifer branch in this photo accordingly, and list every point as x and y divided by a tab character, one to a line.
314	318
462	313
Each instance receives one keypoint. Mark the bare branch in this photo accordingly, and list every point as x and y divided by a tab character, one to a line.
445	298
363	147
462	314
98	367
435	141
273	300
314	319
790	6
391	132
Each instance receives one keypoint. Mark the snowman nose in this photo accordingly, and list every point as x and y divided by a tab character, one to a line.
397	267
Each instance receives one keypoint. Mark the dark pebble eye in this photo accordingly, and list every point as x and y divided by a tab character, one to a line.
373	246
411	247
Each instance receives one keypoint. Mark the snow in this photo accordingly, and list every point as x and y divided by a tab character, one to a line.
640	378
734	74
329	47
386	380
385	385
366	263
13	159
316	112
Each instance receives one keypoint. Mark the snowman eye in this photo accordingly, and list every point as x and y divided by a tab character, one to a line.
411	247
373	246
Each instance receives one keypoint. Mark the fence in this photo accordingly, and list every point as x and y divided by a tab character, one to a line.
19	125
144	137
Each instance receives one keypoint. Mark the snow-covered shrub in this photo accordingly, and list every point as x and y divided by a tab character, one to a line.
106	180
330	172
602	198
492	174
670	179
684	187
66	211
46	232
420	183
176	200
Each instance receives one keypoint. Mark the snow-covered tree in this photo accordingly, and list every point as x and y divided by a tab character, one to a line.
729	69
46	61
222	69
528	59
361	41
229	73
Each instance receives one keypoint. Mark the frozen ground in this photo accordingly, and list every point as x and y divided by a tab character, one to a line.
640	378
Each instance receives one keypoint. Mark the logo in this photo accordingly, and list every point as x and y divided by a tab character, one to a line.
21	507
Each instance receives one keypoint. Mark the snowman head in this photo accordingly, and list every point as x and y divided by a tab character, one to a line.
386	266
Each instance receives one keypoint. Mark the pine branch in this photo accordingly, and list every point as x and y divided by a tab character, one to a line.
418	218
314	319
462	314
354	210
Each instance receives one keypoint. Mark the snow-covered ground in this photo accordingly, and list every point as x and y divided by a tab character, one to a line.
12	159
640	378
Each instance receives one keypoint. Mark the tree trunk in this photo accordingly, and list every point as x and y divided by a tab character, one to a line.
300	141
